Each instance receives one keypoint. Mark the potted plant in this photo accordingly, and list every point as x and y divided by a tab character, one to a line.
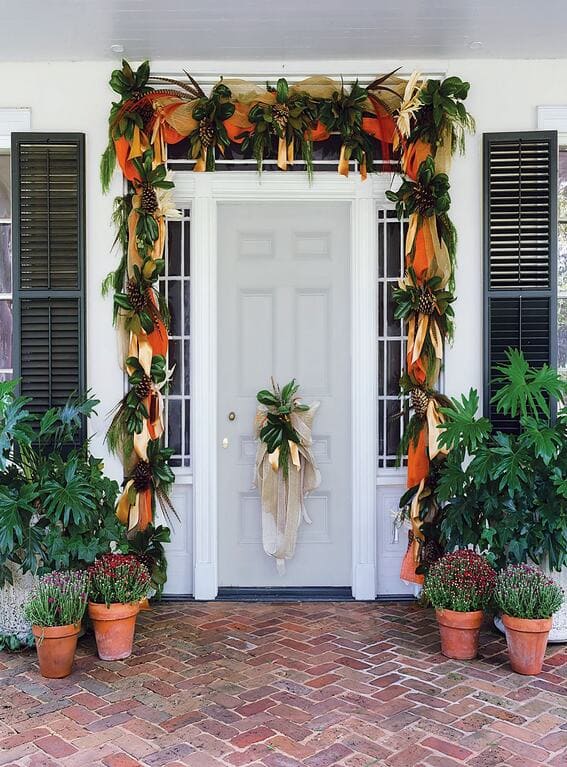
117	584
505	492
527	599
56	504
459	586
55	609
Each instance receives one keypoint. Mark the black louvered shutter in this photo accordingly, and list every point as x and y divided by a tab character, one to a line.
48	193
520	253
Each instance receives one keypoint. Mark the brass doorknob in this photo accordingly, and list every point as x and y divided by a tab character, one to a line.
232	416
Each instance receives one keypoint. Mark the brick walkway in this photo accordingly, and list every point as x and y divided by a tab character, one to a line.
282	685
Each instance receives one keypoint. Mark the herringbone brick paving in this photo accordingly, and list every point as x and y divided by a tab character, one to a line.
283	685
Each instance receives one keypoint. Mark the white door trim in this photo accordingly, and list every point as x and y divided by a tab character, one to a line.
202	192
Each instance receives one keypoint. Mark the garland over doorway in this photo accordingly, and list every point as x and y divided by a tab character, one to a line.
413	125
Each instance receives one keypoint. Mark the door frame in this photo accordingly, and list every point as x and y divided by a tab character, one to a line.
202	192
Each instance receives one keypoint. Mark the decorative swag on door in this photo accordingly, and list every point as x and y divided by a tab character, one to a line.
412	126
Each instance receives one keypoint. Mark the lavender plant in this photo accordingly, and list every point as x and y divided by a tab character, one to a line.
523	591
59	599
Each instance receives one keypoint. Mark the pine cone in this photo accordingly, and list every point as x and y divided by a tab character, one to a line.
148	203
426	302
136	297
206	132
146	112
142	476
419	401
424	199
144	387
280	114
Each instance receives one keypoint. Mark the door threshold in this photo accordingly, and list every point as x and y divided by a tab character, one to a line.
308	594
286	594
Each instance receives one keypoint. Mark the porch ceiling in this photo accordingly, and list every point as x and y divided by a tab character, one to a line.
254	30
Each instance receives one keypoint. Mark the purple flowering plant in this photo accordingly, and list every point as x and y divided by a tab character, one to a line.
523	591
58	599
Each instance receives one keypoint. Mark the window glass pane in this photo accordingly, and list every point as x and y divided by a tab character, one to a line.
174	248
5	258
175	307
174	425
5	334
186	246
5	211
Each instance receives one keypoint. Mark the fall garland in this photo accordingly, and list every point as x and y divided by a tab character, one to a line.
413	124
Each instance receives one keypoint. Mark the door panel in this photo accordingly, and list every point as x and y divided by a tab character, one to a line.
284	311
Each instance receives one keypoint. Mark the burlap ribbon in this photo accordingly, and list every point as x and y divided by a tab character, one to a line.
283	505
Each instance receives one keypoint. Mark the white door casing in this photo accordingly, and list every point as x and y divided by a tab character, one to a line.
283	311
203	193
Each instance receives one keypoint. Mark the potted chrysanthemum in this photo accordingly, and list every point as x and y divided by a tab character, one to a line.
527	599
460	586
117	584
55	609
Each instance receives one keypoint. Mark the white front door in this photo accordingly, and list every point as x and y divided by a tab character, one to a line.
283	298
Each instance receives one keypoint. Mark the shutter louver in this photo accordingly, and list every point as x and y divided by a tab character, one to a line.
48	195
520	253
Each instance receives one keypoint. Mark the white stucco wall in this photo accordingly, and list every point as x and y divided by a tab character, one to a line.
504	96
75	97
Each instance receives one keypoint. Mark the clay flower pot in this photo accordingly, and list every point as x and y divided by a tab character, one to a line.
526	639
459	633
114	628
56	647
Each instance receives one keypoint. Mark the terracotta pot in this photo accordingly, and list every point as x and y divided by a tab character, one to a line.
114	628
526	639
459	633
56	647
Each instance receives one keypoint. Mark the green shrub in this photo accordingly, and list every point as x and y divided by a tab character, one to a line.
505	494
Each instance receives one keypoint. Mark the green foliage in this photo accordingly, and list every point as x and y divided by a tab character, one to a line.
506	493
278	431
129	84
428	196
211	111
148	546
407	300
443	112
56	504
299	118
343	114
525	592
13	643
115	281
107	165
